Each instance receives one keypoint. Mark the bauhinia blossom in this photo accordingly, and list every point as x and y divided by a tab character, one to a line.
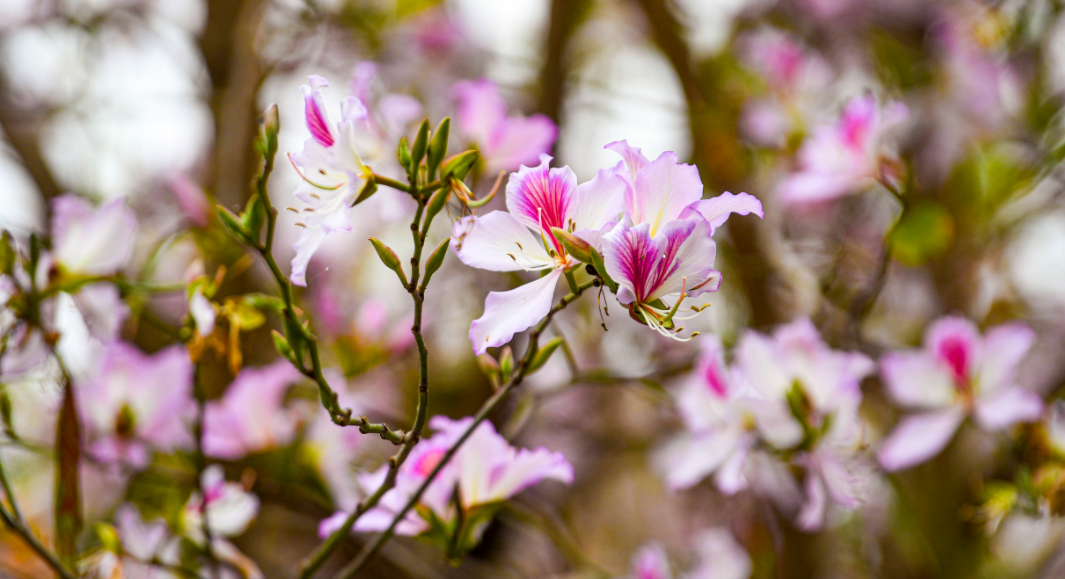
664	246
88	240
252	416
958	373
849	156
538	199
333	174
227	509
505	142
484	472
137	403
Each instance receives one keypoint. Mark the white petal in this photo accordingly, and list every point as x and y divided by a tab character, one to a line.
499	242
919	438
507	313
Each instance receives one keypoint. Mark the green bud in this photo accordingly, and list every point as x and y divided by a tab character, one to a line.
459	166
436	204
271	126
403	154
232	224
264	301
506	361
490	368
108	536
580	249
8	256
294	337
544	354
600	269
254	216
367	191
438	145
283	347
389	258
35	254
436	259
421	143
5	411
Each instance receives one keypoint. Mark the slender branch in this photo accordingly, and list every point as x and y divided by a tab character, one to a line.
35	544
516	378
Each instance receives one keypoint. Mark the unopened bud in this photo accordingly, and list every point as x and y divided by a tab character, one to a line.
436	259
438	145
580	249
544	354
459	166
389	258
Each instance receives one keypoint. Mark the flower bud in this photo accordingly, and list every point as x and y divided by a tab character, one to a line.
580	249
544	354
436	204
271	126
232	224
283	347
438	145
459	166
403	154
436	259
367	190
389	258
254	216
506	361
421	143
7	254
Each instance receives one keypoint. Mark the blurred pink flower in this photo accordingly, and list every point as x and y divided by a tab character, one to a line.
137	403
227	507
505	142
957	374
252	415
191	199
88	240
651	562
538	198
847	157
720	556
332	171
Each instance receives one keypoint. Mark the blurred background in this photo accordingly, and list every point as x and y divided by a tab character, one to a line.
149	100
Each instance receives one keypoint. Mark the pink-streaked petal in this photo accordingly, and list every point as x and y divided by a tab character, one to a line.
956	344
650	562
629	253
527	468
718	209
498	242
633	157
542	197
919	437
599	201
1007	407
662	190
521	141
311	238
481	111
687	251
507	313
1004	348
917	380
314	111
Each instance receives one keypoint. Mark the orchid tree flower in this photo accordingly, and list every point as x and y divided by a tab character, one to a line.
957	374
847	157
252	416
227	509
136	403
88	240
485	472
138	544
664	246
504	142
538	199
333	173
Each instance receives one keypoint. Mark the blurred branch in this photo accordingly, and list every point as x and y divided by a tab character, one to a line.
566	16
22	129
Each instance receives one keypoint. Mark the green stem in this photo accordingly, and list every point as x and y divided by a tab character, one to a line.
516	378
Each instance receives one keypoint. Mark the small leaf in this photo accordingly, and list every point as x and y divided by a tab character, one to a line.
389	258
438	145
264	301
436	259
543	354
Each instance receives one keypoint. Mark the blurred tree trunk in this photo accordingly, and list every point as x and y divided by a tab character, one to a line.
230	52
21	128
566	17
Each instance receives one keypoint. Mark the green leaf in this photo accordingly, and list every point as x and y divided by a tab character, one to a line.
68	519
543	354
389	258
438	145
436	259
924	232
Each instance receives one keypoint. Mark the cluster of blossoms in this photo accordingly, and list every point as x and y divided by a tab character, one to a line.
645	221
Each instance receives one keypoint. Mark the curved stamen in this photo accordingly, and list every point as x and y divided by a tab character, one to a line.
304	177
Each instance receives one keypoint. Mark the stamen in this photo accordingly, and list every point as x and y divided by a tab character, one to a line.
292	209
304	177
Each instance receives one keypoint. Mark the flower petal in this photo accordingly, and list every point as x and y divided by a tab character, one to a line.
314	111
311	238
956	344
919	437
92	240
1007	407
480	111
599	201
498	242
1004	348
718	209
662	190
689	459
633	157
648	268
521	142
917	380
507	313
542	197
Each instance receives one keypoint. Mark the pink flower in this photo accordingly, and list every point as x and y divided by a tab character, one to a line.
227	507
91	241
486	470
847	157
252	417
538	198
333	174
957	374
137	403
505	142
